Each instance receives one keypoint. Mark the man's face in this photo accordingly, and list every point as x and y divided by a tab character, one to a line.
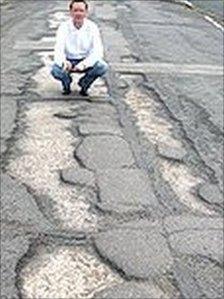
78	12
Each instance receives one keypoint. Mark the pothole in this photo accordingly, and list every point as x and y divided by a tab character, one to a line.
155	128
56	19
130	58
45	148
159	132
183	184
48	39
45	83
65	272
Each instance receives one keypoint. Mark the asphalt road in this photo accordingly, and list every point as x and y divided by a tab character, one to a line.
121	197
214	7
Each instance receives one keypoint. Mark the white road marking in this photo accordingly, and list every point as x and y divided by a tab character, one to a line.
188	3
165	68
216	24
207	18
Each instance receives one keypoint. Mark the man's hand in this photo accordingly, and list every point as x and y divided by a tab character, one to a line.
76	70
79	68
67	66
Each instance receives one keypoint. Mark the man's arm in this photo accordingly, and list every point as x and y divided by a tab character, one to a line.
59	50
96	51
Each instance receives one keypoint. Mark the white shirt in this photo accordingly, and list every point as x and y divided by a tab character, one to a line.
74	43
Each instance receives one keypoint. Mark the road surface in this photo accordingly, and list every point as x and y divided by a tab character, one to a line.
120	197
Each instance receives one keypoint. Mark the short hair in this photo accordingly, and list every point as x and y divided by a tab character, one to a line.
78	1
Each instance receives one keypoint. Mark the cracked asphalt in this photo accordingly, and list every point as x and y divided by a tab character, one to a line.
120	197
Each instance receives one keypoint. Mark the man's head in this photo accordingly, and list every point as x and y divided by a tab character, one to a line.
78	11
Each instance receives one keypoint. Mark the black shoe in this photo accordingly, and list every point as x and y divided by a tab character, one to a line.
83	93
67	87
66	91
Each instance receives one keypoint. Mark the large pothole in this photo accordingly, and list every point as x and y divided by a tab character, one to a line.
65	272
46	147
160	133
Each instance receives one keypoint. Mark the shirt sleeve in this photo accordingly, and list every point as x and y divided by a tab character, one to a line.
59	49
96	51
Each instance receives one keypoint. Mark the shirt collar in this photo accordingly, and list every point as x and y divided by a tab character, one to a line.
72	26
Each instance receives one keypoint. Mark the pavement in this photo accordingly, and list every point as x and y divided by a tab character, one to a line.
120	196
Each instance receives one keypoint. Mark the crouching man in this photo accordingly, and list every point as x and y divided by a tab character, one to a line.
79	49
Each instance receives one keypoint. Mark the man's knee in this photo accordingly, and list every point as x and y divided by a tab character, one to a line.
56	71
101	67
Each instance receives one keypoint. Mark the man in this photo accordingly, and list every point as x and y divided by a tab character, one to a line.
78	49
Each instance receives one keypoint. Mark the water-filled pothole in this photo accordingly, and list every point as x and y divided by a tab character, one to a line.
46	147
